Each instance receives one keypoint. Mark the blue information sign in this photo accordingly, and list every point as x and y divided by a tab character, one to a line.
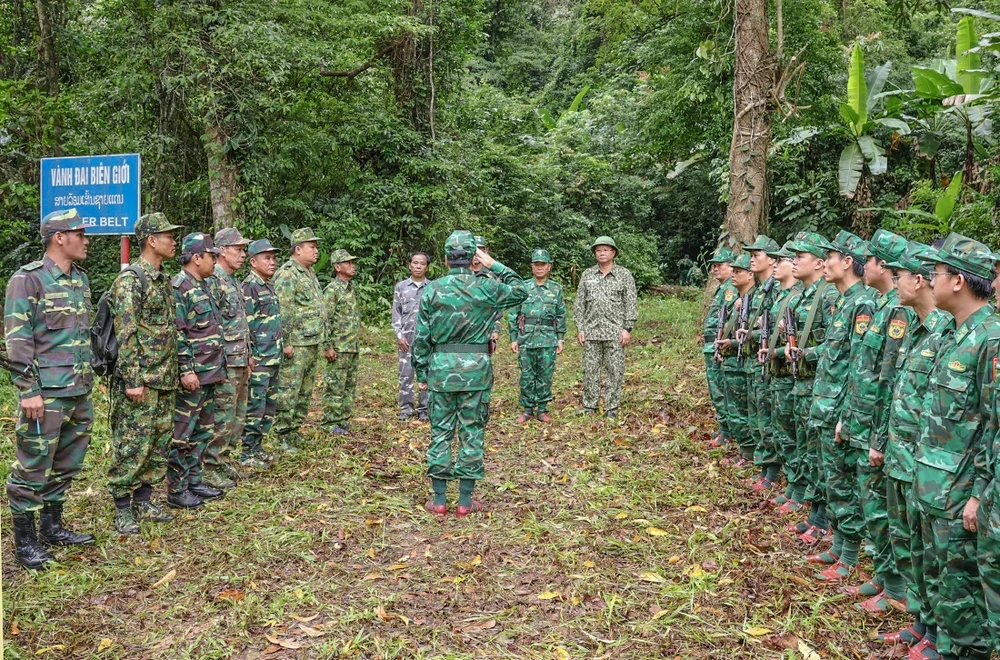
104	190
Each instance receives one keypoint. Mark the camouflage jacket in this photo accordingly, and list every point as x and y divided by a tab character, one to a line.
233	312
873	374
405	304
950	445
263	319
145	328
838	353
761	299
913	372
778	366
343	327
200	349
732	357
825	296
47	316
454	325
544	316
726	294
605	304
303	313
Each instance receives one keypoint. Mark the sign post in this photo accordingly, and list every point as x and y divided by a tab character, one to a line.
104	190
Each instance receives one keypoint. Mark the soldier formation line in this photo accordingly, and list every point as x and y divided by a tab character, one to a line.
202	368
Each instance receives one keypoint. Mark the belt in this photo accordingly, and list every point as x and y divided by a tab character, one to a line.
461	348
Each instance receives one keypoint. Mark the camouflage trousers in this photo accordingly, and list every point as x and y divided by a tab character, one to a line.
871	489
766	451
409	394
608	356
48	454
194	425
807	446
783	428
948	580
713	373
538	365
900	511
989	573
230	417
140	432
260	407
840	469
340	379
734	385
296	381
462	414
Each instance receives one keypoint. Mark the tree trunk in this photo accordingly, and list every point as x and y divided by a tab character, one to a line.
47	47
222	182
747	210
861	221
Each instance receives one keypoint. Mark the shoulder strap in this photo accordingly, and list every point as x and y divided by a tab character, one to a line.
817	301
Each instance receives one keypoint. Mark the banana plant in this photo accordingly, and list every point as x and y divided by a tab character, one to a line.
921	225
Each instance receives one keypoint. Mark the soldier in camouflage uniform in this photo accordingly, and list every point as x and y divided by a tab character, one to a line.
231	394
451	359
343	333
950	446
264	321
605	311
734	375
47	316
537	327
202	356
988	514
143	393
725	295
916	359
866	415
405	304
303	327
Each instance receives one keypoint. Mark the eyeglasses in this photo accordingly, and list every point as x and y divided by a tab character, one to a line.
935	274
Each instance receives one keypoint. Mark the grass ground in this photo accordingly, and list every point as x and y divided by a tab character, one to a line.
614	541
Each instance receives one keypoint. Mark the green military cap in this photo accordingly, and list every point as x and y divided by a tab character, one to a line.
197	242
808	241
303	235
260	246
848	245
764	243
540	256
230	236
57	221
742	262
152	223
722	256
886	246
604	240
481	242
963	253
340	255
784	252
461	244
910	259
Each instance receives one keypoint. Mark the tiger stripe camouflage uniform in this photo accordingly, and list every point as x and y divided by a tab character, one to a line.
405	304
264	320
725	294
343	334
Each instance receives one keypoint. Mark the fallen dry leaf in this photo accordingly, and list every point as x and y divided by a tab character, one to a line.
234	595
104	644
548	595
655	531
476	626
758	632
311	632
372	576
696	509
15	629
171	574
650	577
304	619
283	643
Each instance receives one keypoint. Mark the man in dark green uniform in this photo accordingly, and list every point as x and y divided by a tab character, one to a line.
343	334
725	295
734	377
47	327
537	328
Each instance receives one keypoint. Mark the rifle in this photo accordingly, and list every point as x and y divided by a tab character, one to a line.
743	321
26	372
792	340
723	317
765	338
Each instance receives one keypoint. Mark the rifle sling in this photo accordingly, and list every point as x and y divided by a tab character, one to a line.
817	301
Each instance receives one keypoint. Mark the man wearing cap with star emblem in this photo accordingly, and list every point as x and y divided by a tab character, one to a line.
725	295
537	327
47	318
144	390
343	332
605	312
303	328
264	320
734	375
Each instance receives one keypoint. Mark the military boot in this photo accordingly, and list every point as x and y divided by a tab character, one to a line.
217	479
286	444
28	552
151	512
52	532
205	491
125	521
184	500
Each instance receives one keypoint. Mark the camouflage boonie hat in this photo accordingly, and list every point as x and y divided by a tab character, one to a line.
963	253
152	223
604	240
742	262
910	259
481	242
722	256
784	252
808	241
765	243
260	246
540	256
197	243
341	255
230	236
848	245
886	246
57	221
461	244
303	235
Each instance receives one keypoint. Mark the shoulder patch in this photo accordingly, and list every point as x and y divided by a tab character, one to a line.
730	295
955	365
861	323
897	328
927	353
34	265
838	323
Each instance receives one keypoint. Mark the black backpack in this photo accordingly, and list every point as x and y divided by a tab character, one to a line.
103	343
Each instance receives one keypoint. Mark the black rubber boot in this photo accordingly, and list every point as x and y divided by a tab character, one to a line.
28	552
205	492
52	532
184	500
